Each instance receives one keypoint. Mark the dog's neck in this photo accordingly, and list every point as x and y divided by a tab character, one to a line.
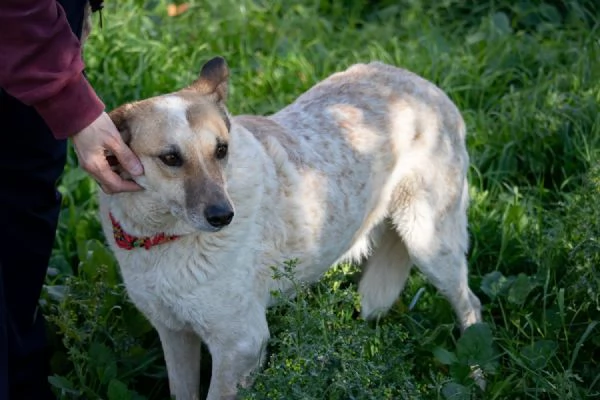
129	242
137	216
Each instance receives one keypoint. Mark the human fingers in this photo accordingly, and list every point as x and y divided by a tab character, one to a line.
112	183
109	181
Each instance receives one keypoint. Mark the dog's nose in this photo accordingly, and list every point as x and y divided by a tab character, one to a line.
218	215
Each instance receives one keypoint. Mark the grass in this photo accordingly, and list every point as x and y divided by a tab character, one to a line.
526	76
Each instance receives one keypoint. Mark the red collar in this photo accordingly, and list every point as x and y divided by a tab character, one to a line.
129	242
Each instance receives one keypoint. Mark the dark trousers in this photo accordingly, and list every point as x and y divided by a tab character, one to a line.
31	161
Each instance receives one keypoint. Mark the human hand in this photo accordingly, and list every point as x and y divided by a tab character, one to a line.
91	146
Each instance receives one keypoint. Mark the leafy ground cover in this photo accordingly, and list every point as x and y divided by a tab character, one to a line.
526	76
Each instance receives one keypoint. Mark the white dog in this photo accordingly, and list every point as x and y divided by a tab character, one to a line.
369	165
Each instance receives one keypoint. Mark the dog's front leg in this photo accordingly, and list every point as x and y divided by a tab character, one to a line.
181	349
237	351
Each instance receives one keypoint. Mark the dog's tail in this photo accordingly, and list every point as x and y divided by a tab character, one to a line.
384	275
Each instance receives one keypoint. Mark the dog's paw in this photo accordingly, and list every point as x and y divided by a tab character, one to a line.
478	376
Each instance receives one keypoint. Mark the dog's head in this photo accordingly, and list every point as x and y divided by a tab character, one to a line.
182	139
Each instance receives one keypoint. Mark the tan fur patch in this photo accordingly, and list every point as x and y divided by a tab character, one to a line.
201	115
263	128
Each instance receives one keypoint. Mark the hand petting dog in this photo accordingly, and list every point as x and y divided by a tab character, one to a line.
91	146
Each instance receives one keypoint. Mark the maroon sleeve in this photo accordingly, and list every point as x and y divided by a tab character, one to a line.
41	65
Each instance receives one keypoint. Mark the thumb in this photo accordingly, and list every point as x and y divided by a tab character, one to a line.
127	158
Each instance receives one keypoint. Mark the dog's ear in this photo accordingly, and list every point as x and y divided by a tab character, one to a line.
120	117
213	80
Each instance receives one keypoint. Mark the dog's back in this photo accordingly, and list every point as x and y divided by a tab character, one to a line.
370	157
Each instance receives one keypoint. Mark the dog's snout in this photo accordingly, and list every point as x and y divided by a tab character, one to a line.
218	215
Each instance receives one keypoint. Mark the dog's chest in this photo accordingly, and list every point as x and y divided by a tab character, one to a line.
173	283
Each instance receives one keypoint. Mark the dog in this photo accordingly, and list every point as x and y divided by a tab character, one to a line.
367	166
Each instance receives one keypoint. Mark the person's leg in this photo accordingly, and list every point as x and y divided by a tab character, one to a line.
31	161
3	342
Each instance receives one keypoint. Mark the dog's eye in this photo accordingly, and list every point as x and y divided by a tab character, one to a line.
221	151
171	159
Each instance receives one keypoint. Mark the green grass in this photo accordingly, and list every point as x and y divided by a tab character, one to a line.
526	76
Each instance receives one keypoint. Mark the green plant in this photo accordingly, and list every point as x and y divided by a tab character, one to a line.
106	348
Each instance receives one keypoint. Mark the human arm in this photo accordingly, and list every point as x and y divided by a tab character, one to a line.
41	65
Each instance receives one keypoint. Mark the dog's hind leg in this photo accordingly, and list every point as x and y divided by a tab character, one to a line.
437	242
181	349
384	274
